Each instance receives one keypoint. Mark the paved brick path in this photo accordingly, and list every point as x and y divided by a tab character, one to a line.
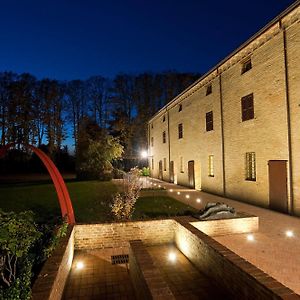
271	251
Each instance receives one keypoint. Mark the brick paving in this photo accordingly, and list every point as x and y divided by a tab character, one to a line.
271	251
98	279
184	280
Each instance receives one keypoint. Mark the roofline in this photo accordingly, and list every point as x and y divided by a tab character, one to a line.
246	43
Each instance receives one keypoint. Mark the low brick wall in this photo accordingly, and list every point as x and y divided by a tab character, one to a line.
146	278
118	235
53	276
238	277
242	224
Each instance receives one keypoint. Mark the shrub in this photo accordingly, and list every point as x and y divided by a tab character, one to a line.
146	171
123	203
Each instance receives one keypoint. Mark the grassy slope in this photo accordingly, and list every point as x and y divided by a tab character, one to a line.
90	201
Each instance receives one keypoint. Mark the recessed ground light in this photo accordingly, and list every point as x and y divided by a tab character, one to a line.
79	265
250	237
289	233
198	200
151	183
187	196
172	256
159	185
178	193
154	183
171	190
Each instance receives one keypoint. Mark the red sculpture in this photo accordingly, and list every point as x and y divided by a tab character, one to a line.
60	186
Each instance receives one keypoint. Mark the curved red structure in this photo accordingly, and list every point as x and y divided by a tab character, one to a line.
60	186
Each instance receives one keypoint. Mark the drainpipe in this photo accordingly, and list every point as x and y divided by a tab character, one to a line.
222	132
287	97
169	142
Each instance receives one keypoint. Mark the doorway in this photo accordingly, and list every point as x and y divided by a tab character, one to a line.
191	174
160	172
278	194
171	170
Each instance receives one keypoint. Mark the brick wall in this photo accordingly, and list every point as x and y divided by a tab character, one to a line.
267	134
52	278
146	278
243	224
241	279
118	235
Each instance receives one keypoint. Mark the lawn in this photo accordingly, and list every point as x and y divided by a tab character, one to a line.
90	200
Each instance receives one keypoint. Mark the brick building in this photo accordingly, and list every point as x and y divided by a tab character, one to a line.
236	131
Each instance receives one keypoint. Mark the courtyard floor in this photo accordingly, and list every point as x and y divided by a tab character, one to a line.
271	250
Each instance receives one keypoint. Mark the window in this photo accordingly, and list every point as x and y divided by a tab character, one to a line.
209	121
165	164
180	131
152	126
247	107
246	66
208	89
164	137
152	141
181	164
152	163
164	118
250	166
211	166
180	108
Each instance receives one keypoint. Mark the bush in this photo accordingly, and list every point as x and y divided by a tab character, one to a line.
123	203
146	171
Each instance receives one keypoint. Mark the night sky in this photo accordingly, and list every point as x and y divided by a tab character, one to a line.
72	39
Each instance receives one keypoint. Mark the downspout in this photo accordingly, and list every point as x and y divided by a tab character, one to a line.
169	143
287	97
222	132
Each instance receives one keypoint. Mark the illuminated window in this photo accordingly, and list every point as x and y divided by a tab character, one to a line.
247	106
209	121
208	89
165	164
152	163
180	131
152	141
250	166
164	137
246	66
211	166
181	164
180	107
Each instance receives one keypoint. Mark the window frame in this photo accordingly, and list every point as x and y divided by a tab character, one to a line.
209	121
246	65
180	108
247	107
180	131
211	166
208	89
164	137
250	168
165	164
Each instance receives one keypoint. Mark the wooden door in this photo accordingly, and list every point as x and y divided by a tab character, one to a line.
171	170
160	168
278	194
191	173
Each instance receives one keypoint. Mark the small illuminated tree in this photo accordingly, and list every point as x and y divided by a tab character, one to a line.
123	203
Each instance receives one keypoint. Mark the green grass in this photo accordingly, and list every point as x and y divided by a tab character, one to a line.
90	200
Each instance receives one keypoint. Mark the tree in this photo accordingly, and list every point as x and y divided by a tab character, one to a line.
96	151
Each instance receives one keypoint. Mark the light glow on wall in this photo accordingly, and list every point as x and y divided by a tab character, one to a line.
250	237
178	193
187	196
198	200
79	265
172	257
171	190
289	233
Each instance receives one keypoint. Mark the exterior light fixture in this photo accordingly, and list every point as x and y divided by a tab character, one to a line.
144	154
250	237
187	196
289	233
198	200
172	257
79	265
178	193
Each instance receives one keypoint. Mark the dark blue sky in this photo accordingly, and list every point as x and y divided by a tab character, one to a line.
70	39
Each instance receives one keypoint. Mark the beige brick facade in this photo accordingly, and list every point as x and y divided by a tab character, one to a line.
273	133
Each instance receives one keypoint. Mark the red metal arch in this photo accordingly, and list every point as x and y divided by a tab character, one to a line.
60	186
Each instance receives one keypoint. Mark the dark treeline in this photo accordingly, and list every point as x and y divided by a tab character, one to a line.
47	111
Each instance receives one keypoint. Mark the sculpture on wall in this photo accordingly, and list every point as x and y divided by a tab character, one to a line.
213	211
59	184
